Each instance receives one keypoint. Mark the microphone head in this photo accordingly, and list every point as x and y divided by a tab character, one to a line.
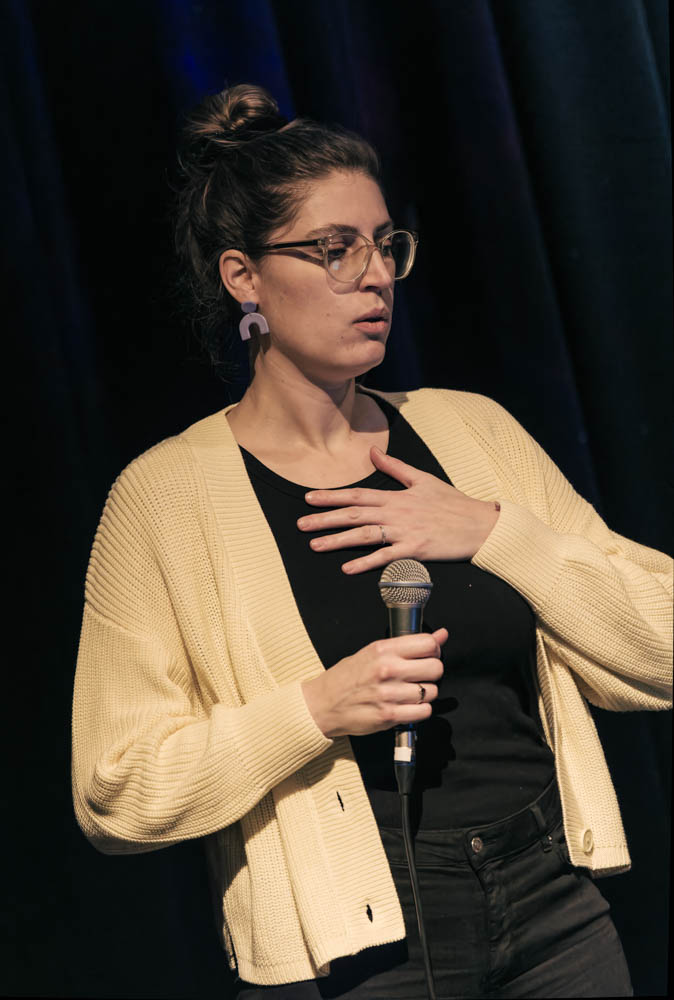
405	582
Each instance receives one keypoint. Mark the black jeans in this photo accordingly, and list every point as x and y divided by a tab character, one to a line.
506	915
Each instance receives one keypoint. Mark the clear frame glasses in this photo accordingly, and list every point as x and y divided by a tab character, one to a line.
347	255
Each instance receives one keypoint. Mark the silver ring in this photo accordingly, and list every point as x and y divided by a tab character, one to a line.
422	693
383	534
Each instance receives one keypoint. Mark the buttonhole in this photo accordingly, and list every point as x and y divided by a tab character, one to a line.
368	910
340	801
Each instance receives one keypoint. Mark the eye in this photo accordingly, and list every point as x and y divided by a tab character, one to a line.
340	245
387	246
342	241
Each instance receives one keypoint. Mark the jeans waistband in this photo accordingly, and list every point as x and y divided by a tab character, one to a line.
478	845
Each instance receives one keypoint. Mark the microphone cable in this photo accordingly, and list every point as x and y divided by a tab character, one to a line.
405	587
404	771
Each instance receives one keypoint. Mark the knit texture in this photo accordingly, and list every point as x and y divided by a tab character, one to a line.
188	714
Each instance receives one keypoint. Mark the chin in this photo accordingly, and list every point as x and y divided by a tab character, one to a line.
372	359
367	357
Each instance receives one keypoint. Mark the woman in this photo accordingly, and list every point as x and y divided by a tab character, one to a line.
238	561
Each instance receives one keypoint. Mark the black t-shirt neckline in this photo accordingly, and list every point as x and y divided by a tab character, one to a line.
375	480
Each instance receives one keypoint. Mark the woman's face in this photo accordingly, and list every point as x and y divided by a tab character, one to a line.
312	317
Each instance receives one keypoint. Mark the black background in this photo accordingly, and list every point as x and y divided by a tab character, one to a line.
528	142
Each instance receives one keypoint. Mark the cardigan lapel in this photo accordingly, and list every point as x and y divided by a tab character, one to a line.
255	560
443	430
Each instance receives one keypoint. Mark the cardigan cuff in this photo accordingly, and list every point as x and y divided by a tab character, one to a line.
279	736
524	552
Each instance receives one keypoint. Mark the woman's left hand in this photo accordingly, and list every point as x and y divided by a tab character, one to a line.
429	520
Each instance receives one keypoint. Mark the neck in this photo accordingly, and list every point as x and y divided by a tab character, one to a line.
287	410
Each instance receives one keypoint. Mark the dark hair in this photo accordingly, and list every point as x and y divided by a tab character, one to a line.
244	170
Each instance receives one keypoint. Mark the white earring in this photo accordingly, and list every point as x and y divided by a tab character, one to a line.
252	318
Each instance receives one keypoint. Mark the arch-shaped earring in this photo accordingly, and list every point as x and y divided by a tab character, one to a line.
252	318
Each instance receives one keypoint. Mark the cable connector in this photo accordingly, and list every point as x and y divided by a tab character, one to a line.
404	757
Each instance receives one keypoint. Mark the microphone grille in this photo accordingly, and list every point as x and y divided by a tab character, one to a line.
403	582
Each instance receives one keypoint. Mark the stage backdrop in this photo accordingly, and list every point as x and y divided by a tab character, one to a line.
528	142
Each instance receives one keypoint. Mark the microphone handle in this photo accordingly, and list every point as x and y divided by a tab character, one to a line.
405	619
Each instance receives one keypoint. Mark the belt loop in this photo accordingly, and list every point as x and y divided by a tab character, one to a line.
545	838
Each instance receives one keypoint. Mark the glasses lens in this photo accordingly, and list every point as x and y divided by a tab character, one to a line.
346	256
399	249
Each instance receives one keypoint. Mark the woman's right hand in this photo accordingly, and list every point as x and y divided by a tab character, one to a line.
378	687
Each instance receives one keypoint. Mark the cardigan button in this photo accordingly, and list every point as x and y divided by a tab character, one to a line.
588	841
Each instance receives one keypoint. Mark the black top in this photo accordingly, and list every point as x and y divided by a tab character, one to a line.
481	755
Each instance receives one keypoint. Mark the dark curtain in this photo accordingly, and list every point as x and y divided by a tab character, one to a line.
528	141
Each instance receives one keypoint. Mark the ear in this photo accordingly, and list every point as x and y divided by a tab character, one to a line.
238	275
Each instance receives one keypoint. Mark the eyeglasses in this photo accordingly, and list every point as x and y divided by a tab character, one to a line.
347	256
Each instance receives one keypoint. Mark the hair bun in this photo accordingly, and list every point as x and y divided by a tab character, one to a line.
235	115
248	107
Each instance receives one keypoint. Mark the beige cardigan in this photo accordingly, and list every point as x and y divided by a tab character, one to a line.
189	719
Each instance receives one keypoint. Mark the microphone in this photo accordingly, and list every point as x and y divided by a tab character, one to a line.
405	586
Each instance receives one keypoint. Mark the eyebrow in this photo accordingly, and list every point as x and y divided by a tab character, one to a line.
339	227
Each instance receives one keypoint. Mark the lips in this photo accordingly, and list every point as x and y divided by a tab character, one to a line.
374	316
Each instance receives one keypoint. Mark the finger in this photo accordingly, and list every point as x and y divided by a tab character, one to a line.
395	467
338	518
375	560
412	713
356	497
370	534
422	671
418	645
414	694
409	693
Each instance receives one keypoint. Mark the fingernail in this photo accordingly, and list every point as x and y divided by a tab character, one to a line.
308	496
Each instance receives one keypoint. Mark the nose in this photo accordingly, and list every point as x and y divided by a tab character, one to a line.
376	273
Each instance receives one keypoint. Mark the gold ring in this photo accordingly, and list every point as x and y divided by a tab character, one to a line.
422	693
383	534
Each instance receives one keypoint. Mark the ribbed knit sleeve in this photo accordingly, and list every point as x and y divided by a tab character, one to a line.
166	746
604	603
